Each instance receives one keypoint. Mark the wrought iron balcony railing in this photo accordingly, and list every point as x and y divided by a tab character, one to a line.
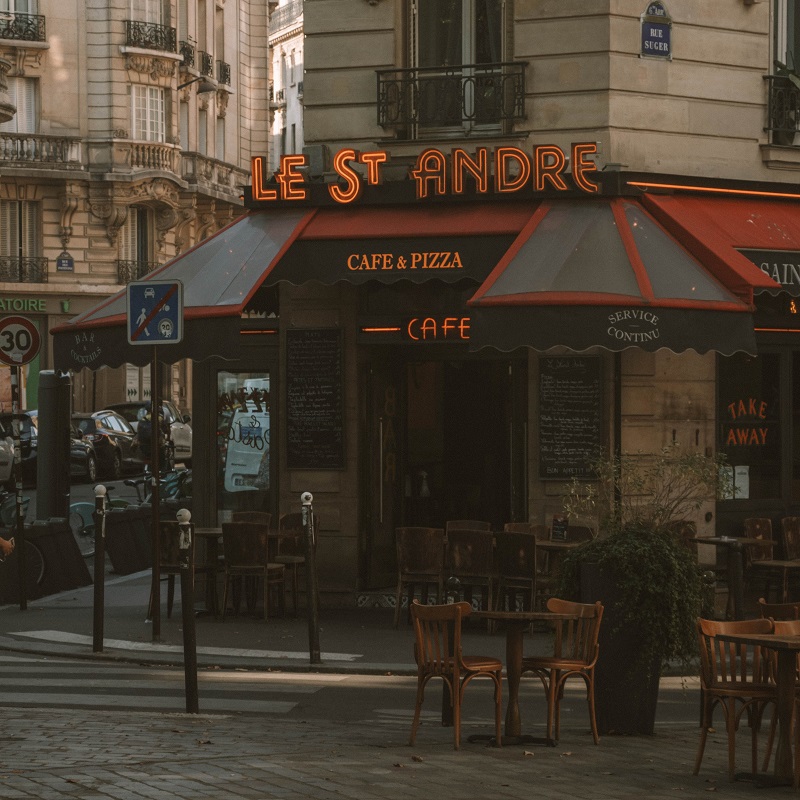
280	96
151	36
60	152
300	89
206	64
186	49
23	269
783	110
22	27
129	270
412	101
223	73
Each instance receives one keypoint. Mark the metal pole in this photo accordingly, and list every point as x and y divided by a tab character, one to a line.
312	595
155	446
19	521
99	566
187	611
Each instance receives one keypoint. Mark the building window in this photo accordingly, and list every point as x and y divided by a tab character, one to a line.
21	242
787	33
183	125
134	245
202	132
220	139
22	94
18	6
148	113
147	11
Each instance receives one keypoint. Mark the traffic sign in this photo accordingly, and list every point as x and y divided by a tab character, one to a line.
155	312
19	341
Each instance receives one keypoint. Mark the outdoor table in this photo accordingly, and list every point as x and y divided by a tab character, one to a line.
785	566
517	622
787	648
734	546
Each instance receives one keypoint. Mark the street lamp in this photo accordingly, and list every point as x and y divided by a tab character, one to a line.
204	87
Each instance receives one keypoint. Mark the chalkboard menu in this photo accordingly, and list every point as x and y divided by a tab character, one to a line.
570	400
315	432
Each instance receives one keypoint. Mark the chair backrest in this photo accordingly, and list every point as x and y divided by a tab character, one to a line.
420	550
778	611
244	544
470	552
759	528
467	524
579	533
292	530
723	662
437	637
786	627
576	639
516	554
790	534
261	517
685	531
517	527
169	541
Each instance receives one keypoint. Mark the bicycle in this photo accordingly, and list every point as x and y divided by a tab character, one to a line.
34	560
175	483
81	522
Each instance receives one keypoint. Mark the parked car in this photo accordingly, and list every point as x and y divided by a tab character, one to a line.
6	459
82	458
179	427
112	438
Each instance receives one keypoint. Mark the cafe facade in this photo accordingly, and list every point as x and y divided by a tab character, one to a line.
434	313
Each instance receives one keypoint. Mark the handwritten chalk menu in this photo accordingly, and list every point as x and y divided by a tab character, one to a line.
315	432
569	417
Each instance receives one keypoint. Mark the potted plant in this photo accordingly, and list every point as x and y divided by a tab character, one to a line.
646	576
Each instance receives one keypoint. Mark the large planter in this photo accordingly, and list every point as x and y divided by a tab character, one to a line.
626	695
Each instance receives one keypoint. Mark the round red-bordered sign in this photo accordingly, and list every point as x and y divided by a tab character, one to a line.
19	341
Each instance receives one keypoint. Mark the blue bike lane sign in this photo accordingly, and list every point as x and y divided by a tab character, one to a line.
155	312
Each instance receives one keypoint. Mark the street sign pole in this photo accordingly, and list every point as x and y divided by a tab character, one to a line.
155	494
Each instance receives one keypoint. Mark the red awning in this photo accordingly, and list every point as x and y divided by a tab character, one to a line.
604	273
716	228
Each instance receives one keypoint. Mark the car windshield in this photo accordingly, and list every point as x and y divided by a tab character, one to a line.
26	423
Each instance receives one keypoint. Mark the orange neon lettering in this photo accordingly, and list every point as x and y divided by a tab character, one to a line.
582	165
549	162
257	172
463	328
503	158
373	160
431	166
428	327
410	329
352	188
287	176
477	167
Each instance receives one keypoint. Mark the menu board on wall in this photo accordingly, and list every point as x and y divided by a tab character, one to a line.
570	402
314	419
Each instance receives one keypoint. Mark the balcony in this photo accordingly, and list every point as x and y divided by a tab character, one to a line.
22	27
126	157
24	149
128	270
223	73
783	110
216	177
284	16
416	102
280	97
206	64
186	49
150	36
23	269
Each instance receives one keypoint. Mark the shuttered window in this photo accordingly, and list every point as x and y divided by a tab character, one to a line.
132	240
22	94
20	229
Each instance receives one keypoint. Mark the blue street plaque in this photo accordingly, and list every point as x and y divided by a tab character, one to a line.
656	32
65	263
155	312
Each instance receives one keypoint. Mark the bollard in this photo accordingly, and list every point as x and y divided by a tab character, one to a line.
99	566
312	595
187	611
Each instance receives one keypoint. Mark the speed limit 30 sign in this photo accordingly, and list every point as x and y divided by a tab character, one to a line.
19	341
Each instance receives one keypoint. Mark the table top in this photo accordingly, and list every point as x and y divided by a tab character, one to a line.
775	641
521	616
780	563
556	544
208	531
730	541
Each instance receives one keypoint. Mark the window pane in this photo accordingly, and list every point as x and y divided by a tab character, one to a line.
749	423
440	31
488	31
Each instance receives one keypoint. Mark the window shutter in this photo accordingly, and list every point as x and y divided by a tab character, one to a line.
220	139
183	20
202	132
128	236
30	233
9	228
22	94
184	126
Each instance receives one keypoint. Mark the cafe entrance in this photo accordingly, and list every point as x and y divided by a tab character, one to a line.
445	438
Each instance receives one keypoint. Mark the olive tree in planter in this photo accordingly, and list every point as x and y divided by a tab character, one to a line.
647	578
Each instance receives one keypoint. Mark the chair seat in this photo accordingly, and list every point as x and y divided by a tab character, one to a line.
287	559
549	662
476	663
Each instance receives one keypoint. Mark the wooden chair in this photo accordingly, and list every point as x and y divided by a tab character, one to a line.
736	678
420	561
790	538
169	564
469	560
467	524
263	518
438	653
517	527
246	554
579	533
760	528
575	652
778	611
291	550
546	572
516	569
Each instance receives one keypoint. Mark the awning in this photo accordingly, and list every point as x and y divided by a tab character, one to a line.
604	273
759	239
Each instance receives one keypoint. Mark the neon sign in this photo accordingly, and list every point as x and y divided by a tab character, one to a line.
746	412
505	170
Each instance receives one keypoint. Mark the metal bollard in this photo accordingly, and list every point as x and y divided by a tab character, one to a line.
184	517
99	566
312	594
